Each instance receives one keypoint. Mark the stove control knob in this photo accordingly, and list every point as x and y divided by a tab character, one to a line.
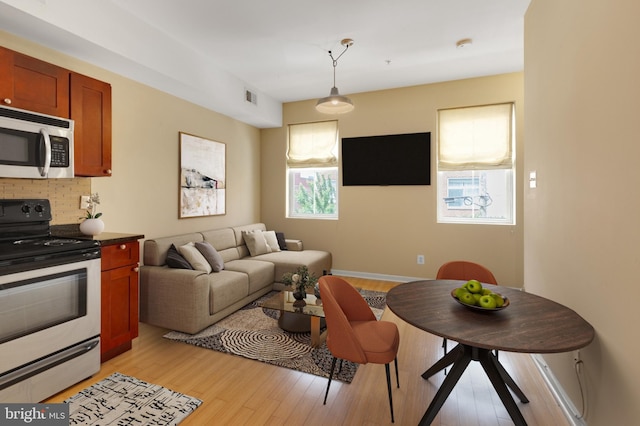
39	208
26	208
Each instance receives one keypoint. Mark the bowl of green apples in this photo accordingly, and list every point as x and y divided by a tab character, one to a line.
474	295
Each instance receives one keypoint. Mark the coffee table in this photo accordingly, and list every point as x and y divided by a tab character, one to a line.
296	317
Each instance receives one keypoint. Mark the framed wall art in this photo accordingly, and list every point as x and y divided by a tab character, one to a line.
202	177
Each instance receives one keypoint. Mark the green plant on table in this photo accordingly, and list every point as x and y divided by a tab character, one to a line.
301	279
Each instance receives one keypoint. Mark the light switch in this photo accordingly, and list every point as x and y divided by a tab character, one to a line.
532	179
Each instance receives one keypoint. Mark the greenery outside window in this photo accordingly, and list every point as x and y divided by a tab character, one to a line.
476	160
312	170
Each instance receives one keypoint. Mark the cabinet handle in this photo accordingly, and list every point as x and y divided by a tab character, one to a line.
123	246
136	269
108	172
7	101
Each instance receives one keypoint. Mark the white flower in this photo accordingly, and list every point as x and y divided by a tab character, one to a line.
295	278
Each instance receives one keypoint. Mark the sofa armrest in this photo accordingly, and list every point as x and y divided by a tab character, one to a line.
294	245
177	299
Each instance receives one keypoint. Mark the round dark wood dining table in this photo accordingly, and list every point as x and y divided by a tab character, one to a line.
530	324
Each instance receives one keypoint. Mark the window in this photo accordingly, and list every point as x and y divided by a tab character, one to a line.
476	165
312	170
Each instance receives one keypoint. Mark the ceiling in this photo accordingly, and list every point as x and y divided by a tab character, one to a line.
209	50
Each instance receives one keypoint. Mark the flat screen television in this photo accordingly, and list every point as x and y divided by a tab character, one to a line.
387	160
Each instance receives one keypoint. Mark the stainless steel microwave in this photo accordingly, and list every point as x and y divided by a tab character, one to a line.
35	146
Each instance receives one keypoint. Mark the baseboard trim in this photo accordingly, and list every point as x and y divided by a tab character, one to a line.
380	277
563	400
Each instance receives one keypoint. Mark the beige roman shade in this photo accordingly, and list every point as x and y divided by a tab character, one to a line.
313	145
479	137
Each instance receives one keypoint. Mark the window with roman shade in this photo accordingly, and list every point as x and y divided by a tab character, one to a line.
475	137
312	170
313	145
476	177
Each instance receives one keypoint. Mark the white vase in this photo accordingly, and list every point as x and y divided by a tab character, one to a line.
92	227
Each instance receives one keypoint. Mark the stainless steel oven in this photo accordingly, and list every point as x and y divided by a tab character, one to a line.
49	305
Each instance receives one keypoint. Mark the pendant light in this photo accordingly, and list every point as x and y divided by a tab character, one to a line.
335	103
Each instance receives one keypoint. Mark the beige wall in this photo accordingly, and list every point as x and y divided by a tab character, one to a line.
381	230
142	194
581	223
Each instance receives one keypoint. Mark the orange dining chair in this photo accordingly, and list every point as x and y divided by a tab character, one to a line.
353	332
464	270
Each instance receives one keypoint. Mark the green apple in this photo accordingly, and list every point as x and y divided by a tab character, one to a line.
486	291
474	286
460	291
487	301
476	296
467	298
499	300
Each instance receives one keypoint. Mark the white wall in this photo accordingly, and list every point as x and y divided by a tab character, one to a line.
582	99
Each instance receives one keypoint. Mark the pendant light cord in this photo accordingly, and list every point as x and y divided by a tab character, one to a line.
335	61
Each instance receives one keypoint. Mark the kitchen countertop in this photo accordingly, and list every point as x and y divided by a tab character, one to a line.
105	238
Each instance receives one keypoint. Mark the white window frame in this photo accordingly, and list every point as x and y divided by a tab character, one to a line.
312	148
477	143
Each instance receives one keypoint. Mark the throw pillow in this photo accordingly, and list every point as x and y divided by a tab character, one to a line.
175	259
212	256
272	240
256	242
194	257
281	241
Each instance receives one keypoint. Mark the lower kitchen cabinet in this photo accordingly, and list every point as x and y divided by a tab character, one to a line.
120	266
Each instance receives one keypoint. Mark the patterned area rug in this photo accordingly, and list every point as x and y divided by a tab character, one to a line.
124	400
253	332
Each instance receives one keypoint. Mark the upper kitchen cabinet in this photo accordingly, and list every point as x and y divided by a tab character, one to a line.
91	111
32	84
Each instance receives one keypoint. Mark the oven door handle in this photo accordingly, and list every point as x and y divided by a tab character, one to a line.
44	171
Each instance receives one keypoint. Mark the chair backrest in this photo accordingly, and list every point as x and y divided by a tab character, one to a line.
465	270
342	303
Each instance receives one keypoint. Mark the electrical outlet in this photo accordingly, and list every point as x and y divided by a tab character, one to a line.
420	259
84	201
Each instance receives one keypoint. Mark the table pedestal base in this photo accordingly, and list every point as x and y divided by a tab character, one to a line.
460	357
301	323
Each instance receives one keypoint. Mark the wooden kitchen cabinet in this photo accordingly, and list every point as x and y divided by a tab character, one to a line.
119	323
91	110
31	84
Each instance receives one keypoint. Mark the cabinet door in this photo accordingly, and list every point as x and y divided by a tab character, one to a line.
119	307
91	110
31	84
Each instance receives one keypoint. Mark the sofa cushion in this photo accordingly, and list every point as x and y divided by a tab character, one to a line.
317	261
194	257
256	243
226	288
282	242
155	250
261	274
176	260
272	240
212	256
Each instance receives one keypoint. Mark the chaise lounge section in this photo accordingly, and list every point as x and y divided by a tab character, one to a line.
190	300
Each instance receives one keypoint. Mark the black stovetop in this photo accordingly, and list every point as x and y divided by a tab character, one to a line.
25	233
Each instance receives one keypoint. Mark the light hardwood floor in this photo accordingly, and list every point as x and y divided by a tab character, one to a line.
238	391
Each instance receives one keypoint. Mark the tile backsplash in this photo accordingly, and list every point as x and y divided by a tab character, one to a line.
64	195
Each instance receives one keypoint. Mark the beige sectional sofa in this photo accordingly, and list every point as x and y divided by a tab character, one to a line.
190	300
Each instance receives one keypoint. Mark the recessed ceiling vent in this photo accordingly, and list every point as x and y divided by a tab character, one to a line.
249	96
